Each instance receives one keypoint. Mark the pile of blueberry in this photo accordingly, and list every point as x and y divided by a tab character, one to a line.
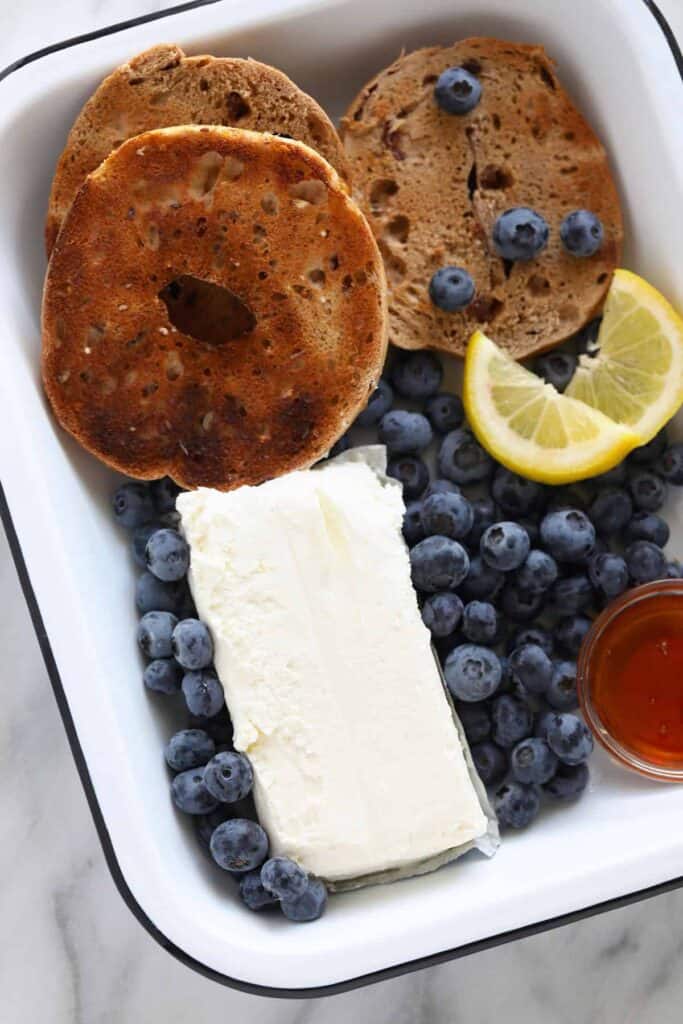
212	782
493	556
519	233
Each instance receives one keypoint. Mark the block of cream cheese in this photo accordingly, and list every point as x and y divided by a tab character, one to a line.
329	675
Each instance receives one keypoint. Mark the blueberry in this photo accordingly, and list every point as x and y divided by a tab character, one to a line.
512	720
163	675
569	782
531	666
490	762
648	453
167	555
474	719
192	644
340	446
457	91
647	490
404	433
572	594
441	613
189	793
152	595
581	233
252	892
482	582
520	234
670	464
568	535
164	493
608	574
569	738
504	546
647	526
379	403
484	514
308	907
417	375
542	721
610	510
412	523
438	563
570	633
444	411
480	622
228	776
614	477
154	634
645	562
449	515
411	471
189	748
561	694
586	339
133	505
472	673
440	486
515	494
516	805
451	289
283	878
537	573
557	368
141	535
239	845
532	761
462	459
533	635
674	570
520	605
203	693
205	824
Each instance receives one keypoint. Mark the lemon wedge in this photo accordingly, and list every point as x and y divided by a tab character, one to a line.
531	428
636	378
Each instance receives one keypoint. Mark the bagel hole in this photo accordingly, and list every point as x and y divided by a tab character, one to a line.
206	311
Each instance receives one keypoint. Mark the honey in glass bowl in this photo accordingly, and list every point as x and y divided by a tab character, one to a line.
630	679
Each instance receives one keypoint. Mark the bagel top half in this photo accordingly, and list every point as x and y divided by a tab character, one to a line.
214	308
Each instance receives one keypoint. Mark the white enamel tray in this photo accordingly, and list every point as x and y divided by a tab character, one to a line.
625	839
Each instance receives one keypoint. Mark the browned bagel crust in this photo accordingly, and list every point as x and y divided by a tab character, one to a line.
433	184
270	220
162	87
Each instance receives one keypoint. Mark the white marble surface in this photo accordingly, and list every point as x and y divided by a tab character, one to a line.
73	954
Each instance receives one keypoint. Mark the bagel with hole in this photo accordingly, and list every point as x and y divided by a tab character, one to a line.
214	308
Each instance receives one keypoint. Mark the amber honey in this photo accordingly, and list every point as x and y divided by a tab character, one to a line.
633	677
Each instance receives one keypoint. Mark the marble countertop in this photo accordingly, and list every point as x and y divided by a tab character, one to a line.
73	954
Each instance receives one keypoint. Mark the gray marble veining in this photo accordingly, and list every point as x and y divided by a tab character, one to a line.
72	953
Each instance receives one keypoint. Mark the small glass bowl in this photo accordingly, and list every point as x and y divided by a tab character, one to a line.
624	755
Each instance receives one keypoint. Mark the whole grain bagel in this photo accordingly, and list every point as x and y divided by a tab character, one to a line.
162	87
432	185
214	308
